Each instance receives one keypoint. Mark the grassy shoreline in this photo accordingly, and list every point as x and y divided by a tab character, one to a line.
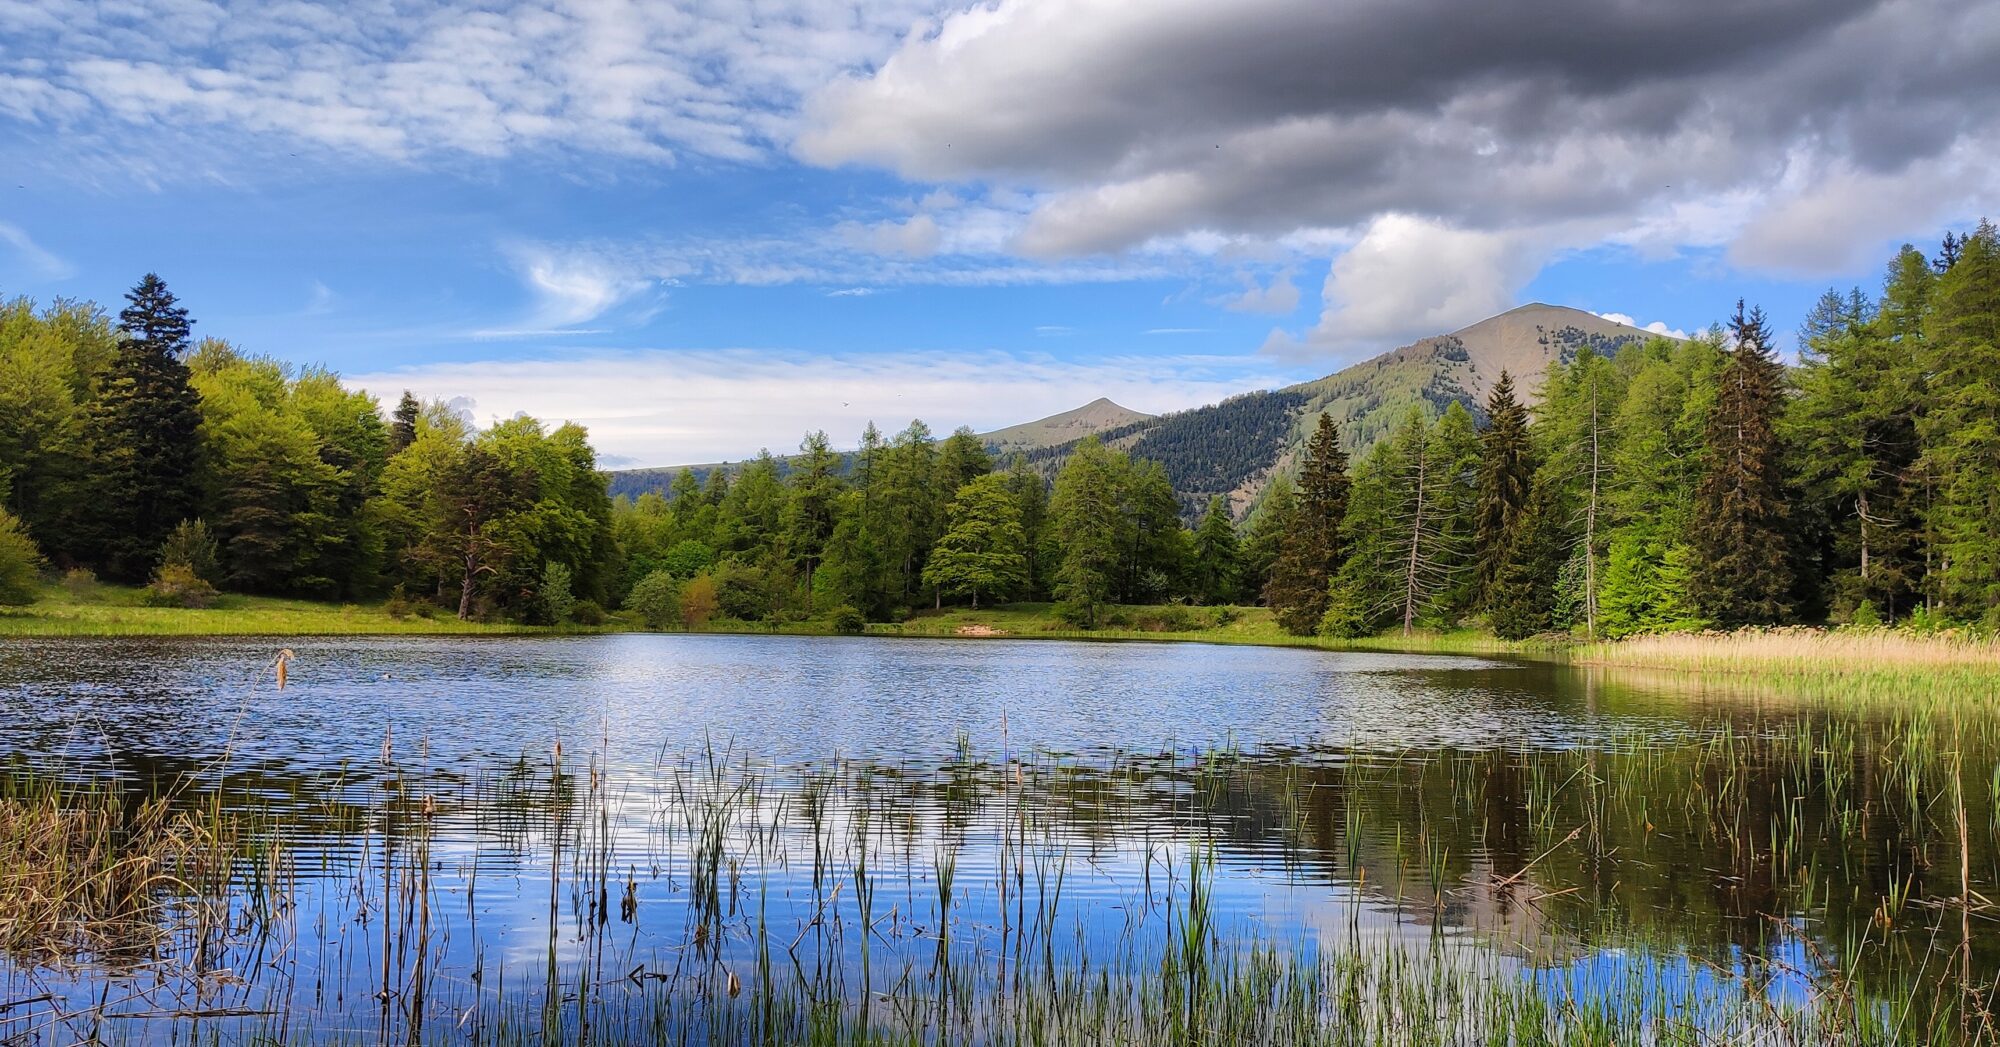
1860	662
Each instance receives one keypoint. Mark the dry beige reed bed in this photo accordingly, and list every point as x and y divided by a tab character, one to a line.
1950	657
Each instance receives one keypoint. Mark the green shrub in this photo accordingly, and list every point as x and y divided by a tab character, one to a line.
176	585
399	605
20	562
80	582
847	619
587	612
1227	614
655	600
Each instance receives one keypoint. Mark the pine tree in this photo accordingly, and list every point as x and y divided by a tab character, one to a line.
1961	432
1506	472
809	513
1216	553
403	424
1265	537
980	550
961	459
1739	528
1311	550
1031	497
144	435
909	505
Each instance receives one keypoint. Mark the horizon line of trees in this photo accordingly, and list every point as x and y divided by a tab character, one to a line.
1673	484
1680	485
132	452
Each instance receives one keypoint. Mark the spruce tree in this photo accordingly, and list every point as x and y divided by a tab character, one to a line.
1961	431
1739	527
144	436
1522	602
1506	473
1311	550
403	424
1216	553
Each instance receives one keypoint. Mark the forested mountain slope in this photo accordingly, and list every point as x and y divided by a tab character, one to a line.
1234	447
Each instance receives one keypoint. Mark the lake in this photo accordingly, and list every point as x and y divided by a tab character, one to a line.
640	838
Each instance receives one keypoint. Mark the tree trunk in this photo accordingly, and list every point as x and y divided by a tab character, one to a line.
465	589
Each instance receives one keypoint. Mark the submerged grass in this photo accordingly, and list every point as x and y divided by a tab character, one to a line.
86	873
843	902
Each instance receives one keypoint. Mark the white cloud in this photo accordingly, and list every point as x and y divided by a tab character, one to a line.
376	77
1656	327
915	237
43	263
1834	219
665	407
1278	297
1408	277
574	288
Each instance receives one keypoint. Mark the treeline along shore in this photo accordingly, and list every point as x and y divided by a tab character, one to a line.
1674	487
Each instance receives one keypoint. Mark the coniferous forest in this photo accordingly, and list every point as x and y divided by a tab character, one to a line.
1671	485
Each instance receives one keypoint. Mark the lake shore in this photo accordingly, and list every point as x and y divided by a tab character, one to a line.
1864	661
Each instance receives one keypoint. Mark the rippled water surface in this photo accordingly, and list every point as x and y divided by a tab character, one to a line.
644	837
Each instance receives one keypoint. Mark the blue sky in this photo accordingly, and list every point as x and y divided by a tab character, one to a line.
702	229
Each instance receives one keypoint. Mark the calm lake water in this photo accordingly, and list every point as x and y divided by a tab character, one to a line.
701	838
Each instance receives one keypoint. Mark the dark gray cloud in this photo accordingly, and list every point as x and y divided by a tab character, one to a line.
1265	116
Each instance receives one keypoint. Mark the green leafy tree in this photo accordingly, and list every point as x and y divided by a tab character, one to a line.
143	435
1084	525
1312	548
1739	529
980	550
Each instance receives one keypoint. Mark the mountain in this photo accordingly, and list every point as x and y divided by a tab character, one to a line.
1233	448
1068	427
1056	430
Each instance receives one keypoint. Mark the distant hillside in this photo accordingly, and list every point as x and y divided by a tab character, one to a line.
1234	447
1068	427
1062	429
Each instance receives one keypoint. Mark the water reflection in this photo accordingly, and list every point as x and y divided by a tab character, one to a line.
612	833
